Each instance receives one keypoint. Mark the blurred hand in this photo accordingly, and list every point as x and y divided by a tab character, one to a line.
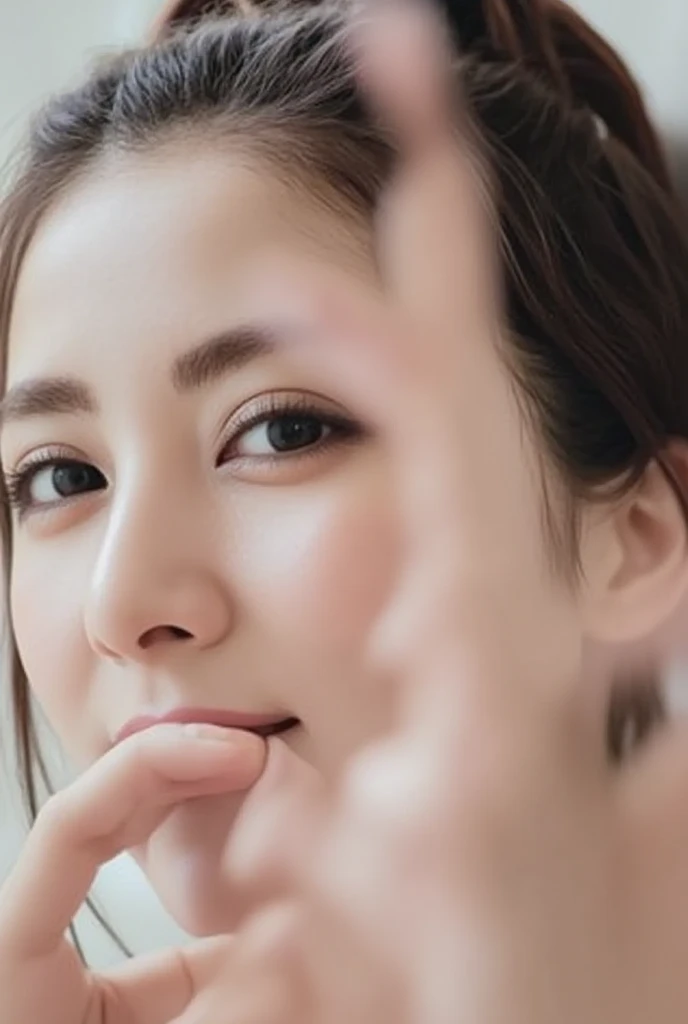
484	862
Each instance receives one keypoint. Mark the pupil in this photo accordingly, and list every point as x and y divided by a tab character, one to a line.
290	432
73	479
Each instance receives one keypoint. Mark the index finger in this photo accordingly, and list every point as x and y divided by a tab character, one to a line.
438	242
439	229
112	807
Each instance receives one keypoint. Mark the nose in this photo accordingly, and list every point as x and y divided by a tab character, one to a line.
155	586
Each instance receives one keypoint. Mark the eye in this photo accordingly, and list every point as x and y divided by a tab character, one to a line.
288	433
276	426
48	482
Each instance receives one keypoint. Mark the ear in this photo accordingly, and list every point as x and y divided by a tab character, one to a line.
634	554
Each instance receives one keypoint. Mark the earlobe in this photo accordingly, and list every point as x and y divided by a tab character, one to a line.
636	560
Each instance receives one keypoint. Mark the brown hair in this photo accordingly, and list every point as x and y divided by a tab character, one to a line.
595	259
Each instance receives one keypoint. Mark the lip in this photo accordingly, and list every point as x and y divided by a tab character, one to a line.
261	725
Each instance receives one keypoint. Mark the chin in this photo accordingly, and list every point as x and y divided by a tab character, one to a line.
183	862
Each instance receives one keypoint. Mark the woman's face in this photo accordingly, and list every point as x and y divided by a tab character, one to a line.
196	524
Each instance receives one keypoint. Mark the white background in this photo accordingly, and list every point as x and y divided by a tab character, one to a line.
45	44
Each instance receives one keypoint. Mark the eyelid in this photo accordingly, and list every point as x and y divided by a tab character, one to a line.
278	402
48	453
40	456
27	468
273	404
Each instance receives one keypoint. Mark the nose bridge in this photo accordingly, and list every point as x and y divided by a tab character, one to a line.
155	579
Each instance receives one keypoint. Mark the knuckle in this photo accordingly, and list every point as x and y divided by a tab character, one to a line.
408	804
387	792
60	814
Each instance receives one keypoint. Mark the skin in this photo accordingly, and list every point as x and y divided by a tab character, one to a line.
481	859
194	570
486	645
264	565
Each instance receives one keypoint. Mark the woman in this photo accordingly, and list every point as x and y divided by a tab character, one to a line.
213	571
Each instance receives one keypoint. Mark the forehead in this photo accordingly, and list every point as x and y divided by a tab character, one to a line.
163	240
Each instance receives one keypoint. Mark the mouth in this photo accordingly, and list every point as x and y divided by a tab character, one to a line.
260	725
274	728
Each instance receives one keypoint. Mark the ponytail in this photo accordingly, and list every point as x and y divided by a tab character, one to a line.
549	37
601	80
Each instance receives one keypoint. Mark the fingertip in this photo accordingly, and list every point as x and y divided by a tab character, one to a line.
389	38
250	756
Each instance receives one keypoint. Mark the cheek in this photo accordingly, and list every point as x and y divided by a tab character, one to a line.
319	566
46	607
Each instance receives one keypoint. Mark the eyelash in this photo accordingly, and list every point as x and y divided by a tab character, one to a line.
274	406
18	483
271	407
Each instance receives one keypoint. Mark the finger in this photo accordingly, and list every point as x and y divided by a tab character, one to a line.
472	485
438	250
438	230
261	981
269	985
155	989
416	107
277	828
113	806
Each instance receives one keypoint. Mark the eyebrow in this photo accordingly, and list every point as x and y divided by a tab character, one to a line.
222	354
44	396
201	366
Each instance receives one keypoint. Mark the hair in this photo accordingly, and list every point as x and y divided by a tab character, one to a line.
595	259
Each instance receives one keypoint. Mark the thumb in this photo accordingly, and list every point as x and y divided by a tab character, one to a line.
156	989
277	828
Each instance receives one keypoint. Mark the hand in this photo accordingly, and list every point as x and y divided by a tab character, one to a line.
116	804
485	862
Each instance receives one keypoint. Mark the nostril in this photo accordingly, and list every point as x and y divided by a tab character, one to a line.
163	633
